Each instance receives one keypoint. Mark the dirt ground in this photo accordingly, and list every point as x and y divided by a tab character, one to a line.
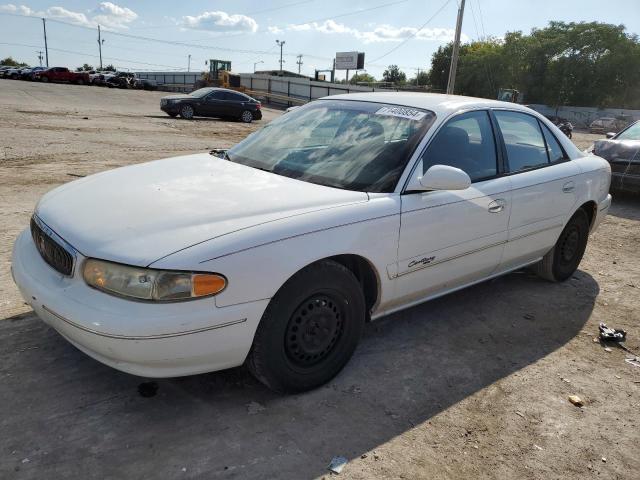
472	385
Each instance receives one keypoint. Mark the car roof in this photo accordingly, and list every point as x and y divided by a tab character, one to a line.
440	104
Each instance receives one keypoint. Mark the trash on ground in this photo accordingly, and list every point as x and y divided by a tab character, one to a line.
633	361
604	459
607	349
611	334
254	407
337	464
520	414
576	400
537	446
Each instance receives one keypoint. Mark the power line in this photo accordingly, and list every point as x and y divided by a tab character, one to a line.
415	33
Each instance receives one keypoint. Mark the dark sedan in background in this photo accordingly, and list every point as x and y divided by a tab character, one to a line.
622	151
213	102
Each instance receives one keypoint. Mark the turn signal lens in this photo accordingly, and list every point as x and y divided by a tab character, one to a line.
206	284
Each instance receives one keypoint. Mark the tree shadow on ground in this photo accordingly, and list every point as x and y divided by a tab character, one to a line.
75	418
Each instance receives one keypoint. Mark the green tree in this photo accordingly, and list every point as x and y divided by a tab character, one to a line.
361	78
84	68
10	62
421	79
109	68
582	64
393	74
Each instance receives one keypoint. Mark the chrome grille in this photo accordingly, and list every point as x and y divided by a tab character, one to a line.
52	252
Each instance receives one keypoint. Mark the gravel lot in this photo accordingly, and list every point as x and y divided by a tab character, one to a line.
474	384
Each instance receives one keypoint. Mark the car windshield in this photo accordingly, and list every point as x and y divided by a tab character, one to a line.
201	92
353	145
631	133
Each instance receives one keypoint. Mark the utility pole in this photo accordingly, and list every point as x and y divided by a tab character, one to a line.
417	77
46	48
280	44
456	49
40	57
299	62
100	41
189	64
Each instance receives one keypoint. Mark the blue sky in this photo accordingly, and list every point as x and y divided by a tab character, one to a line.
245	31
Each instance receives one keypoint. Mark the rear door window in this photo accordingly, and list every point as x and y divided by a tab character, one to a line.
526	148
556	153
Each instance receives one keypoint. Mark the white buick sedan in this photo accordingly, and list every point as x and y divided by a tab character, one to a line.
277	251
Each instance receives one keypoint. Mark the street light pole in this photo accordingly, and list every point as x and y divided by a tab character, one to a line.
254	65
280	44
189	64
46	48
456	50
100	46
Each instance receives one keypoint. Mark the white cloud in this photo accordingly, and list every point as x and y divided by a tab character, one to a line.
275	30
18	9
381	33
76	18
107	14
220	22
114	16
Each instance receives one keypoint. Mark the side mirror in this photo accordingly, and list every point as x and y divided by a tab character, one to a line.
611	134
439	177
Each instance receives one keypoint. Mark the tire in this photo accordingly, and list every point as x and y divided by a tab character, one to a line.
309	330
186	112
246	116
172	115
80	82
44	79
563	259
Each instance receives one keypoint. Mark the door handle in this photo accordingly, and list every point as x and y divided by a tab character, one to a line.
497	205
568	187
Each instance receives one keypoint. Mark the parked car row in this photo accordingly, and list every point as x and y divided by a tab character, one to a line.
92	77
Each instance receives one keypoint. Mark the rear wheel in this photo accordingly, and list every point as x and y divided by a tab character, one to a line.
309	330
563	259
186	112
80	82
246	116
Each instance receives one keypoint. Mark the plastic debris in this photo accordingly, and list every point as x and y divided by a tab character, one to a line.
254	407
576	400
520	414
608	349
604	459
633	361
611	334
537	446
337	464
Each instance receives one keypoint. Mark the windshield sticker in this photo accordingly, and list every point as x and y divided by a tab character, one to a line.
402	112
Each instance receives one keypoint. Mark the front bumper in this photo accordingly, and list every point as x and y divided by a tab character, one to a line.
146	339
170	108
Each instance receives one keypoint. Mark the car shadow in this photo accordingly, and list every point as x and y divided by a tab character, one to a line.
625	205
70	415
194	119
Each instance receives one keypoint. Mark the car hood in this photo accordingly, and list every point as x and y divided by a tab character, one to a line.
141	213
617	150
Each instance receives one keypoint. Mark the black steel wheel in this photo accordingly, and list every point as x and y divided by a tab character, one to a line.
310	329
565	257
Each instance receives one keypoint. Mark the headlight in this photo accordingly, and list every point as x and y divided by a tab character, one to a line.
150	284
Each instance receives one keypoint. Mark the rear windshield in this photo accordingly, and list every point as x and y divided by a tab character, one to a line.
345	144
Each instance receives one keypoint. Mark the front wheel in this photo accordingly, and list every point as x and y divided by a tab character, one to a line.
186	112
309	330
563	259
246	116
80	82
44	79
